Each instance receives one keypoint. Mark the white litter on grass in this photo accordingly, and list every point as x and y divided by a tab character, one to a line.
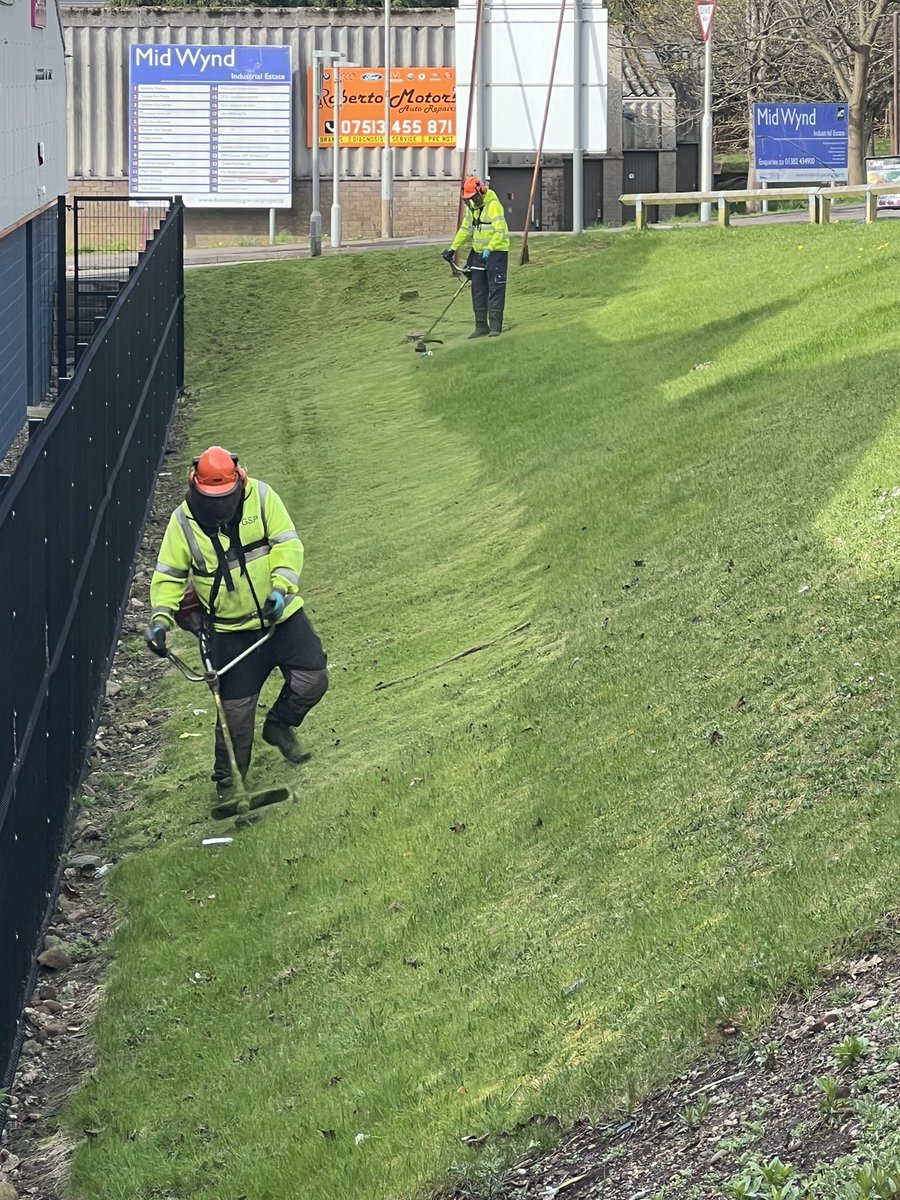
217	841
359	1139
199	712
803	589
104	870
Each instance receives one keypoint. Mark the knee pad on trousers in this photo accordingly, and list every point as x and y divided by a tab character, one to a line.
309	686
302	691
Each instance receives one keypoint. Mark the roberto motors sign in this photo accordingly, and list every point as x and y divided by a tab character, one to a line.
423	107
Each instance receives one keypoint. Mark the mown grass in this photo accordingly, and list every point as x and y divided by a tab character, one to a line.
677	784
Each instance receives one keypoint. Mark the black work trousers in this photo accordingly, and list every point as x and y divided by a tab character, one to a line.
295	650
489	289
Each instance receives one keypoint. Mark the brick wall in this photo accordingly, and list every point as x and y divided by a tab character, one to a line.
553	215
422	208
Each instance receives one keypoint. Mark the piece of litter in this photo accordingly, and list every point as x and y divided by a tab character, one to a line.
359	1139
803	589
199	712
573	987
217	841
104	870
187	735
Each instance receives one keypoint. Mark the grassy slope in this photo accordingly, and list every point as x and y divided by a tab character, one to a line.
677	466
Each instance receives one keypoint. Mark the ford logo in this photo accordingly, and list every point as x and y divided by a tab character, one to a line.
372	75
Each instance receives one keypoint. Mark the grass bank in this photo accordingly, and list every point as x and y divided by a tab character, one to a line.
530	880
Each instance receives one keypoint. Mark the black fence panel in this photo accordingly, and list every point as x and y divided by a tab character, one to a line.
71	520
105	238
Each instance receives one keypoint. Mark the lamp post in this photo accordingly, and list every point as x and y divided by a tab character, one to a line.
315	216
387	154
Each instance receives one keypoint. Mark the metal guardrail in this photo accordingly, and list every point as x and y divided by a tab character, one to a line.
819	200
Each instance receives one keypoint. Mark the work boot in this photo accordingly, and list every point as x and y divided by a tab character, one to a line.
495	333
225	788
480	331
283	738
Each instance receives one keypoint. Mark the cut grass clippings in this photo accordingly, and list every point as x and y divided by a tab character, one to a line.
529	881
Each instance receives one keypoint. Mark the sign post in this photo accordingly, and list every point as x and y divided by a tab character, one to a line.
706	11
336	160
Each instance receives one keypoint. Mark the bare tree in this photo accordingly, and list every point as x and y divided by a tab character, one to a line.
775	50
844	34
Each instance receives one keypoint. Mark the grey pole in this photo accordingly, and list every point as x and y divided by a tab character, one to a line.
387	154
336	160
895	126
706	129
578	127
481	104
315	216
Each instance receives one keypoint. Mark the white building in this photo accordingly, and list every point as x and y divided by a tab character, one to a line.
33	173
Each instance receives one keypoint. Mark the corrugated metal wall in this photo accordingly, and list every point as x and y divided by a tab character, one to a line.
98	41
27	290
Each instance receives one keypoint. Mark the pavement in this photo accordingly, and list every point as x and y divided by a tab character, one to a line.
793	216
225	256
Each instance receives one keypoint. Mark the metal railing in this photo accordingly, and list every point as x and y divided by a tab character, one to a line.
105	237
71	519
819	200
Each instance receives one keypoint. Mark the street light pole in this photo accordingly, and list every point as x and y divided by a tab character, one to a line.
387	154
315	216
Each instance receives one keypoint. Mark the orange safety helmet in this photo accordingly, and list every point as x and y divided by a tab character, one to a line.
473	187
216	473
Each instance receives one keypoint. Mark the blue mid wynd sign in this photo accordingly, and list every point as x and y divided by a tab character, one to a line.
211	124
800	143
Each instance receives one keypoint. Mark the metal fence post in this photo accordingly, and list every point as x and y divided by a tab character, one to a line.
75	330
179	250
61	306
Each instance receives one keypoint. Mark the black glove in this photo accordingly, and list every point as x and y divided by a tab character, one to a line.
448	255
155	637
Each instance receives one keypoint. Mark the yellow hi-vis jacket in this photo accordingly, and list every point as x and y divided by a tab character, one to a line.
483	228
273	554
